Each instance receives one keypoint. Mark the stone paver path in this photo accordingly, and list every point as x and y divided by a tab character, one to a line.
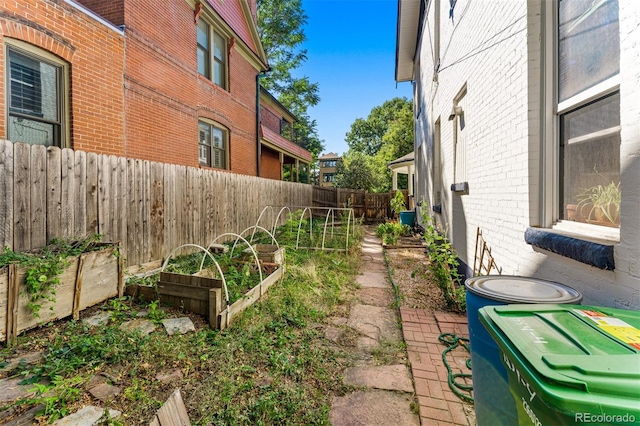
391	390
388	397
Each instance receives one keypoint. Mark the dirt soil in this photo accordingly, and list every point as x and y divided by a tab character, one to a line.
409	269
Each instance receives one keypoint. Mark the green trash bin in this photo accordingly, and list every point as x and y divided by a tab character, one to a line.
569	365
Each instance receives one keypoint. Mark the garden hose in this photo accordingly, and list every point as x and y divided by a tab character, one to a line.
453	341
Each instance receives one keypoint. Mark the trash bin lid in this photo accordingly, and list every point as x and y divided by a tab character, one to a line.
514	289
591	349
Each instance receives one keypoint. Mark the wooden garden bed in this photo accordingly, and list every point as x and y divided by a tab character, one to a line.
204	296
88	279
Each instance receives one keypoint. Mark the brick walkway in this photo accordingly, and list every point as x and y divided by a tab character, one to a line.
438	404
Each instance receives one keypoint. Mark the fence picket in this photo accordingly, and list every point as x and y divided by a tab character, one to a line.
92	193
6	194
38	193
21	207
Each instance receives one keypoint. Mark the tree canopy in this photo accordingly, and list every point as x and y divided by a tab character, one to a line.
355	172
385	135
281	31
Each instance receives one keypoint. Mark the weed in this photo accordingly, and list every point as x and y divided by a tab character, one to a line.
154	313
118	308
443	265
390	232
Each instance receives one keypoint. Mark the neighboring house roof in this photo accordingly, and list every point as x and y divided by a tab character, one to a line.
409	158
330	156
282	144
237	14
407	38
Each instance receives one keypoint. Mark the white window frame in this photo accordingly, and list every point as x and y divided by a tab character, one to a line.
63	137
550	130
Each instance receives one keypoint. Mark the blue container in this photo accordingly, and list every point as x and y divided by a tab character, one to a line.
493	401
408	217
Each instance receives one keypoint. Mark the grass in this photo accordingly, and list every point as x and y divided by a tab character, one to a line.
273	366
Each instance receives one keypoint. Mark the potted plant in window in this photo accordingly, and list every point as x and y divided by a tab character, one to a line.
600	204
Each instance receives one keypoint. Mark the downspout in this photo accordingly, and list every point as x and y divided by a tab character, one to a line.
258	139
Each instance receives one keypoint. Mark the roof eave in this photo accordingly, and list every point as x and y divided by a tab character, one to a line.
406	38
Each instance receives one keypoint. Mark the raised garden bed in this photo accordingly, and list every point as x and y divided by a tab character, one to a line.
221	299
87	279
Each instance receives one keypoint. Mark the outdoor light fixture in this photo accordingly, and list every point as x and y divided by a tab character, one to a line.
456	110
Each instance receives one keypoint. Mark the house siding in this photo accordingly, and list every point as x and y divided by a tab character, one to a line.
94	53
494	48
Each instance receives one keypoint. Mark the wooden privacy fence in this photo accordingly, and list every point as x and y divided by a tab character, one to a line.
375	207
150	208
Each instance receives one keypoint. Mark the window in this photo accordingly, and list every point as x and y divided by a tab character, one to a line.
36	96
588	63
213	146
212	54
328	177
329	163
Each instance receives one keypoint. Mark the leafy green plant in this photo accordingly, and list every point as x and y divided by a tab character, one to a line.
390	232
44	266
118	308
397	203
58	396
154	313
443	265
601	202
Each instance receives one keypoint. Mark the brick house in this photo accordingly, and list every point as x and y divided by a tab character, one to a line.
328	168
56	87
172	81
280	157
524	111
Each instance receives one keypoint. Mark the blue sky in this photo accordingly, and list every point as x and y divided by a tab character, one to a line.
351	47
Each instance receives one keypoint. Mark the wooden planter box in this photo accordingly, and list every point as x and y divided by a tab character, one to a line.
269	256
88	279
204	296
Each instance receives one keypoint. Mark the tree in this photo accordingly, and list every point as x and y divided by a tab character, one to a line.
385	135
355	172
368	135
280	27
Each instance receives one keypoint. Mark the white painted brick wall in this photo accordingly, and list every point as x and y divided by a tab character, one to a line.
503	134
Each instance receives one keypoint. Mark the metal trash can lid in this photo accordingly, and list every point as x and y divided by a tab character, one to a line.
515	289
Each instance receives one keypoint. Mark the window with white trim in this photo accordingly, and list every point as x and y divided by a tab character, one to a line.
36	96
212	54
213	145
588	111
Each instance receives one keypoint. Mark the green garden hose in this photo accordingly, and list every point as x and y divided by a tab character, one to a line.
453	341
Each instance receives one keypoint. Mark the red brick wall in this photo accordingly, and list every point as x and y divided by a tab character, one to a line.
95	54
270	164
269	118
111	10
166	96
162	95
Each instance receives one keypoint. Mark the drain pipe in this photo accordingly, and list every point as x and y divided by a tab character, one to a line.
258	139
